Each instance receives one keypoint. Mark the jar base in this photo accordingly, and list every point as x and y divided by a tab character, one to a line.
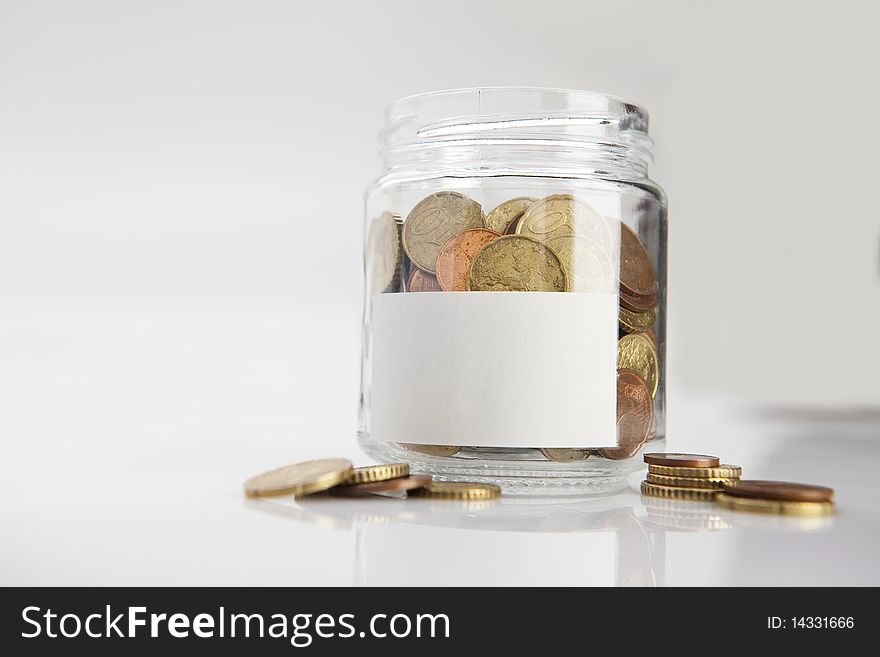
519	471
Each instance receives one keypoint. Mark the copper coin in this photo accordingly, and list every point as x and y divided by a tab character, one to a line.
780	490
420	281
682	460
637	275
635	415
511	227
636	303
456	256
379	487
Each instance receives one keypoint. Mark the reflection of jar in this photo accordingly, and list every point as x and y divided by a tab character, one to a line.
514	325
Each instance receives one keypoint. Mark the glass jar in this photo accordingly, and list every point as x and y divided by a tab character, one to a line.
515	297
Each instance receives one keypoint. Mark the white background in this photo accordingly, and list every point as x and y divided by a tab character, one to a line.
180	233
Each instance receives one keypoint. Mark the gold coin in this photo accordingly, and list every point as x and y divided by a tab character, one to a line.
458	490
384	256
723	471
499	218
373	473
565	453
299	479
678	493
516	264
688	482
434	221
633	322
780	507
636	352
560	215
433	450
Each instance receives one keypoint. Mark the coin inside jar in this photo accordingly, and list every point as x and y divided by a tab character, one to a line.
780	490
420	281
383	255
637	353
513	263
455	258
562	215
637	275
635	415
683	460
503	215
565	453
433	221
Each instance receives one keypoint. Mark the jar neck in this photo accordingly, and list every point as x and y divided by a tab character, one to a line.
516	131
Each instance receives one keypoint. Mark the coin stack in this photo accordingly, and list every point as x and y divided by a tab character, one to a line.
338	477
687	476
553	244
704	478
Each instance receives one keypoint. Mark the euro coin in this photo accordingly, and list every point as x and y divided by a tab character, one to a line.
377	473
455	258
458	490
677	493
633	322
562	215
299	479
500	217
677	459
565	453
433	221
637	275
397	485
516	264
383	253
687	482
637	353
635	415
780	507
433	450
420	281
780	490
588	267
723	471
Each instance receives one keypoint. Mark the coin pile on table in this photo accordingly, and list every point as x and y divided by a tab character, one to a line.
339	477
699	477
553	244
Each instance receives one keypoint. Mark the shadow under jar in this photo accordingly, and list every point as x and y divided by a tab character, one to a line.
514	314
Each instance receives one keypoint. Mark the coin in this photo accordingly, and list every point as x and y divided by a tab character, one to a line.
782	507
399	484
635	415
561	215
682	460
299	479
588	267
500	217
455	258
780	490
636	304
511	227
383	253
633	322
433	450
516	264
458	490
723	471
636	352
637	275
565	453
377	473
433	221
688	482
677	493
420	281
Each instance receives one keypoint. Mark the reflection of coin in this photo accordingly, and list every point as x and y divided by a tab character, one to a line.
377	473
780	490
588	267
565	454
433	450
684	460
379	487
637	353
383	253
501	216
637	275
635	415
517	264
433	221
561	215
632	322
419	281
455	258
299	479
676	493
781	507
723	471
458	490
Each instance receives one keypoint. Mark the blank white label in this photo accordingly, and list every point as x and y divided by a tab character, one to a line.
499	369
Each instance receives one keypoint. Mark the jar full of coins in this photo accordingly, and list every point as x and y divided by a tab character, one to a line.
515	290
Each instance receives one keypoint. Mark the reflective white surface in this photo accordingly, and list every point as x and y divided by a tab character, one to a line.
127	436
